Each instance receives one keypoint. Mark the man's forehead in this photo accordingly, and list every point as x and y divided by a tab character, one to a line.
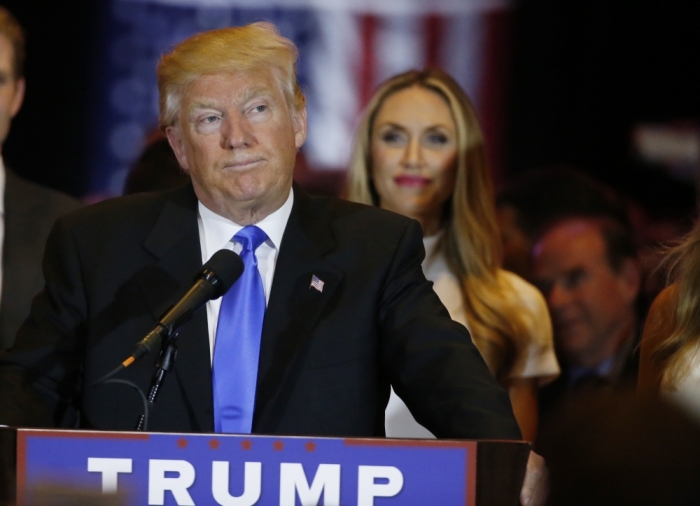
209	98
217	89
572	235
569	245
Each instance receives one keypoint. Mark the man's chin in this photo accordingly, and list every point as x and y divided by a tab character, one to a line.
255	199
243	194
571	341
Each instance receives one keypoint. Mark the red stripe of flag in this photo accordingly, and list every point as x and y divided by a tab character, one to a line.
433	27
368	30
492	92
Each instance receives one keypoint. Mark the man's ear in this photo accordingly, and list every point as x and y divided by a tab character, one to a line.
630	277
18	98
178	144
300	127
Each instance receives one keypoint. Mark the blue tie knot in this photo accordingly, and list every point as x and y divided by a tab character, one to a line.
250	237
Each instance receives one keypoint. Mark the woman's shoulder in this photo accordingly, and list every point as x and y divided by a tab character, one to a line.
535	356
522	293
530	304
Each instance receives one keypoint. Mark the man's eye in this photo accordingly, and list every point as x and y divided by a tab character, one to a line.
575	278
210	119
260	108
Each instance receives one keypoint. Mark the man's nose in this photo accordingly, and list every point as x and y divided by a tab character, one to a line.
236	132
413	154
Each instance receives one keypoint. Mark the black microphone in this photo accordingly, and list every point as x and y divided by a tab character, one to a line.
213	280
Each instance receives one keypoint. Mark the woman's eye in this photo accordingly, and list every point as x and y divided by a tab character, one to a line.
391	137
437	138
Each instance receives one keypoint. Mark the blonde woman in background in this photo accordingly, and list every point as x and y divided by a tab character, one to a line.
419	151
669	361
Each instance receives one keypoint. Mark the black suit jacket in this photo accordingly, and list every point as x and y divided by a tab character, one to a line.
326	360
30	212
622	378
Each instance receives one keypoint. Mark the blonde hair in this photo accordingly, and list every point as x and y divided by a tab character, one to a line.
470	241
683	262
227	50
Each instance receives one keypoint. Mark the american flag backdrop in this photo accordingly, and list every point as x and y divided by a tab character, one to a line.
346	48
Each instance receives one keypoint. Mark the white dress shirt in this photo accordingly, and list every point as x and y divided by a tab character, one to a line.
216	232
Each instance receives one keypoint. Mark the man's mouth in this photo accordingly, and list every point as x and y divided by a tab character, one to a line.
243	164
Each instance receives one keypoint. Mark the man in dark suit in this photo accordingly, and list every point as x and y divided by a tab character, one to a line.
348	310
28	210
589	273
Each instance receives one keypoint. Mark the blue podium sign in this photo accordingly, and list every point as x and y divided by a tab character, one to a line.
188	469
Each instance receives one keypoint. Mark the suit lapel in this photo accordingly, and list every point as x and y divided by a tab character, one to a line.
294	306
174	241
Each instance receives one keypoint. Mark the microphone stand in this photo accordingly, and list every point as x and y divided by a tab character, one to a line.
166	361
209	286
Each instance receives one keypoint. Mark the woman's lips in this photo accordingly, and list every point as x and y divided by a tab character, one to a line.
412	181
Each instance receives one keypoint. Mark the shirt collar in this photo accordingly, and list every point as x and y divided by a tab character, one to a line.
219	230
430	244
602	370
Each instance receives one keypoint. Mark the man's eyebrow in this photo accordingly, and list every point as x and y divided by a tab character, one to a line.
256	92
248	95
201	105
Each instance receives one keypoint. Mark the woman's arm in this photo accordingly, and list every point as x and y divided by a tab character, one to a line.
523	397
535	363
658	327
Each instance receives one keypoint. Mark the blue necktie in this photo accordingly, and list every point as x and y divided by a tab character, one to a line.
237	345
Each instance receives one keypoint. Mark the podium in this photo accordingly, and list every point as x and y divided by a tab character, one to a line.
170	469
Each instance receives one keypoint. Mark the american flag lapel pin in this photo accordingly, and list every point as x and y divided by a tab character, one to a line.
316	283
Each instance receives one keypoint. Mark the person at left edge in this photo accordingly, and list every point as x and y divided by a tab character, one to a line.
27	210
235	118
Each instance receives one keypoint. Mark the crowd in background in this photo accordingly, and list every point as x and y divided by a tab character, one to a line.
553	274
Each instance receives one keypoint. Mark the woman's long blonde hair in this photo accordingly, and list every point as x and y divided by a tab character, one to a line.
470	240
683	263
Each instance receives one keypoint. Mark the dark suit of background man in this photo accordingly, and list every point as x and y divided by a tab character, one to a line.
28	210
235	117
